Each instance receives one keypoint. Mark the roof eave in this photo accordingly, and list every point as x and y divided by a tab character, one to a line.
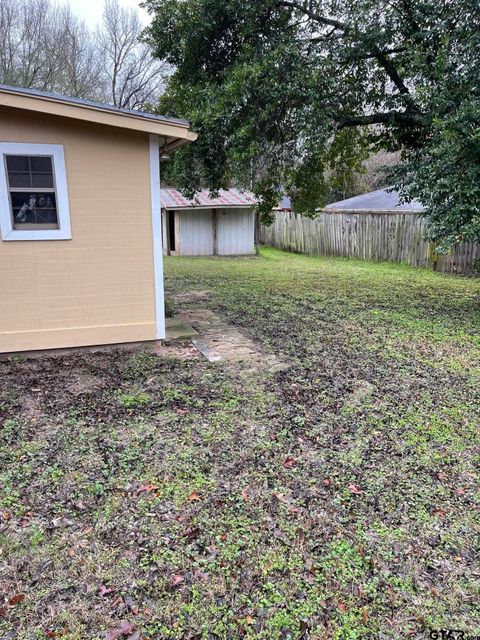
179	132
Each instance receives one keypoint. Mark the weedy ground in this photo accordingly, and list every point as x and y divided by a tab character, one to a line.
158	497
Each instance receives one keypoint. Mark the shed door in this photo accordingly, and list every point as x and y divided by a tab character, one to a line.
235	232
196	233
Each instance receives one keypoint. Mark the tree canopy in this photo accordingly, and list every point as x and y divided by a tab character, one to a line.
284	92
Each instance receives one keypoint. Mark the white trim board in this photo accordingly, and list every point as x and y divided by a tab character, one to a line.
157	235
61	191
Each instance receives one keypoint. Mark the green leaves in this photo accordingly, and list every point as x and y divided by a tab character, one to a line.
294	95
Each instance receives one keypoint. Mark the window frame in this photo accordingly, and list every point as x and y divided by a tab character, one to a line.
56	152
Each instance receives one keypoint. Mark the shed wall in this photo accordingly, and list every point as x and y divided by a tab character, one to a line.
196	233
236	232
98	287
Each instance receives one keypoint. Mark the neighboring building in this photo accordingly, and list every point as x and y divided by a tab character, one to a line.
380	201
81	247
285	204
206	226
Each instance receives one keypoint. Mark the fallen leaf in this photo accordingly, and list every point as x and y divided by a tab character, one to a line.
327	482
191	533
342	607
354	489
51	634
104	591
289	462
280	497
71	553
439	512
124	629
194	497
460	491
177	579
147	487
249	620
245	495
16	599
364	615
223	537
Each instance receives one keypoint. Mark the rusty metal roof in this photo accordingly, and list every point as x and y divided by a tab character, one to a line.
173	199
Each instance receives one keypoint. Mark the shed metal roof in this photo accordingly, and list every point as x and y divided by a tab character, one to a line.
380	200
227	198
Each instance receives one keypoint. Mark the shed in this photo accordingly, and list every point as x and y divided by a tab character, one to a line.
205	226
380	201
81	246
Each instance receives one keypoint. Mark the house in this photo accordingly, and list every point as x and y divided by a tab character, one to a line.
380	201
81	246
285	204
205	225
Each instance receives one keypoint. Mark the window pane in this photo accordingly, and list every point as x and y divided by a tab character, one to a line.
30	171
40	180
17	163
41	163
19	179
33	208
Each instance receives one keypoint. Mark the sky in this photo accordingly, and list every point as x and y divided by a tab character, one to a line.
91	10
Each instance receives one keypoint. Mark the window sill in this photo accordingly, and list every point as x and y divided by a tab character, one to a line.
37	234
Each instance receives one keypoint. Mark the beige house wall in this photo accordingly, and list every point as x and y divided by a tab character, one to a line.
98	287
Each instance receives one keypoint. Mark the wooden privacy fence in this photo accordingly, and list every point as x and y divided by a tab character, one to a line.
393	236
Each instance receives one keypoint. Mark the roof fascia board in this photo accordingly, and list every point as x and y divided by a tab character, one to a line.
88	113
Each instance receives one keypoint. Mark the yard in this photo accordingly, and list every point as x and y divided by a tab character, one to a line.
169	497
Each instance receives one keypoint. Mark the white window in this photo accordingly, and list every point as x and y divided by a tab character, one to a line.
33	192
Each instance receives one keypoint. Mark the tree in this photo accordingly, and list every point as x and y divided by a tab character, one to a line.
134	78
45	46
285	91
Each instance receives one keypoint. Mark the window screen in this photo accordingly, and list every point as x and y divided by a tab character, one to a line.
31	185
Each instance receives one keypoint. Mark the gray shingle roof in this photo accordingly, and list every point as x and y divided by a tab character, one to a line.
381	200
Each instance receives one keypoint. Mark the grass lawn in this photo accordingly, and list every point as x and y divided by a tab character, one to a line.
148	497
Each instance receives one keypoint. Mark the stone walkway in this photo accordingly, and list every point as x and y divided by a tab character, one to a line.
219	341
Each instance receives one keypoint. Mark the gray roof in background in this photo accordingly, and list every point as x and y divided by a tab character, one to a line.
92	104
285	203
381	200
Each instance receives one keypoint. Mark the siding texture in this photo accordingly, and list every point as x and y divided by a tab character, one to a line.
396	237
196	232
235	232
97	288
